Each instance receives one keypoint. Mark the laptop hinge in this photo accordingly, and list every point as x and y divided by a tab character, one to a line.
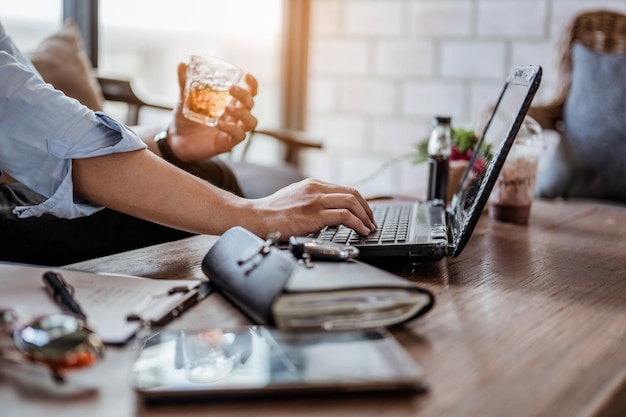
454	227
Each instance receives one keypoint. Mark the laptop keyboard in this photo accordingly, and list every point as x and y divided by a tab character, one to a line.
393	227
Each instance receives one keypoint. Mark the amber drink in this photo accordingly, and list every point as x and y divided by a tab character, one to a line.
206	89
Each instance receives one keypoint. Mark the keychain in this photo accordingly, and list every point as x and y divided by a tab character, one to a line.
305	249
316	249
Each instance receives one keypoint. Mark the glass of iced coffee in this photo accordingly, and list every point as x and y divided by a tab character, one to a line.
206	89
513	193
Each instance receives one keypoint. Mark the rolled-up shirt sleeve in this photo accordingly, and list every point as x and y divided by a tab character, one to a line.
42	131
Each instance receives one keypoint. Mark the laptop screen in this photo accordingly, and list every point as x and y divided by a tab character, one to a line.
497	132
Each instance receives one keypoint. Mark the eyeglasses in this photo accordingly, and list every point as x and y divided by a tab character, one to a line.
58	341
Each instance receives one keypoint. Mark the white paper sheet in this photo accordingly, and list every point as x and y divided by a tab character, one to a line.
106	299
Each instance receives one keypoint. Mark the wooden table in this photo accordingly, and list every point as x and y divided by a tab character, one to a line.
529	321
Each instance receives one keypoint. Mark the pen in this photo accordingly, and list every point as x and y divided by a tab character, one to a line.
62	292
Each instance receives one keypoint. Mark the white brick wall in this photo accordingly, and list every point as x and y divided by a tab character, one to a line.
519	19
374	18
437	18
397	58
426	98
379	70
473	59
339	57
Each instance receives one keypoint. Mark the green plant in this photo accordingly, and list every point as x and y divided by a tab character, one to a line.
464	142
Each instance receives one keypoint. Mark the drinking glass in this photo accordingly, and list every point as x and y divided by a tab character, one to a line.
206	90
513	193
206	355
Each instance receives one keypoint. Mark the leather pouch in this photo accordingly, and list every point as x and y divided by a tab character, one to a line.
272	288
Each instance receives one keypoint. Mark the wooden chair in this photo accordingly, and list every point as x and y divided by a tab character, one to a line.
292	141
121	91
601	31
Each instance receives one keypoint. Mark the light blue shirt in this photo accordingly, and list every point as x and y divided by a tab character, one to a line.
42	130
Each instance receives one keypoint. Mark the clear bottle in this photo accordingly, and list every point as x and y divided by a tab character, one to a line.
439	149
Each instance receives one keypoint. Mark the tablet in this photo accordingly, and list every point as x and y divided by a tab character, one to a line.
262	361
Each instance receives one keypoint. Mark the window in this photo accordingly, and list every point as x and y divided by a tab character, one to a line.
30	21
144	40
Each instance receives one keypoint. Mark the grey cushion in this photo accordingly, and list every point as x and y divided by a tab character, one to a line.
61	60
590	161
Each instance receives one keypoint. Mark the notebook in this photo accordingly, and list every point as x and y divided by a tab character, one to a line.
428	231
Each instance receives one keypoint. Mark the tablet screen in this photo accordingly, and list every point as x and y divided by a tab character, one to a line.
256	360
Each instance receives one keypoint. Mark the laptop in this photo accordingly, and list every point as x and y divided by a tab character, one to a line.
428	231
